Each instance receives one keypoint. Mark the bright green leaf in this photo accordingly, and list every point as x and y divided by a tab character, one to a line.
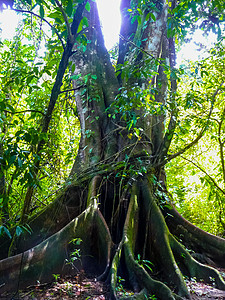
88	6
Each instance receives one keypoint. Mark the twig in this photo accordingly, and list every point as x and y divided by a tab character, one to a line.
209	176
36	15
77	88
23	111
142	50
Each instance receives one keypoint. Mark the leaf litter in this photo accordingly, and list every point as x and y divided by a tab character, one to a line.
83	288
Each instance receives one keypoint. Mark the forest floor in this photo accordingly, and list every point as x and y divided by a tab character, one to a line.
80	287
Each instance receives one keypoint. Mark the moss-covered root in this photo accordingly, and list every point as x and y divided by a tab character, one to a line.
194	268
103	241
40	262
145	281
159	234
137	274
153	287
47	258
114	269
212	246
93	190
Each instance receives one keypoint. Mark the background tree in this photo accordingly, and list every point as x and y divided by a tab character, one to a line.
200	194
115	198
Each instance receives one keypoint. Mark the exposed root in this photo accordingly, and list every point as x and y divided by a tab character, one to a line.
40	262
94	190
47	258
198	240
169	254
160	236
138	276
195	269
103	242
114	270
142	230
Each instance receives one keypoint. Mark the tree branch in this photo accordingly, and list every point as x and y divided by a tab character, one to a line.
23	111
203	171
65	18
127	31
32	13
139	48
77	88
76	20
221	144
167	139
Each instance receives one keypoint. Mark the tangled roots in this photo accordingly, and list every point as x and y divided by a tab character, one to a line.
145	239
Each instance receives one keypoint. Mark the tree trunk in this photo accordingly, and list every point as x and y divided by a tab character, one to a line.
114	199
4	211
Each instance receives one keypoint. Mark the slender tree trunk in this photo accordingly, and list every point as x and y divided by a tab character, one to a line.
3	196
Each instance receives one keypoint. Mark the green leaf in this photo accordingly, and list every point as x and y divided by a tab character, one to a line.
75	77
84	21
12	159
26	228
19	230
4	229
69	8
29	79
140	11
139	20
55	15
88	6
27	137
153	17
20	163
7	232
73	68
10	108
2	105
133	19
42	13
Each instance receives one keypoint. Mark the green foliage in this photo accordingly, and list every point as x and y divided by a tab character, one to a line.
152	297
189	15
28	71
75	254
23	228
120	288
130	102
4	230
143	11
197	179
146	264
56	277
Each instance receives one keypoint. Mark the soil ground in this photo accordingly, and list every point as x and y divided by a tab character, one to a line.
80	287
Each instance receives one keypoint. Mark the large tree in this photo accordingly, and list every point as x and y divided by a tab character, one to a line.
115	200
